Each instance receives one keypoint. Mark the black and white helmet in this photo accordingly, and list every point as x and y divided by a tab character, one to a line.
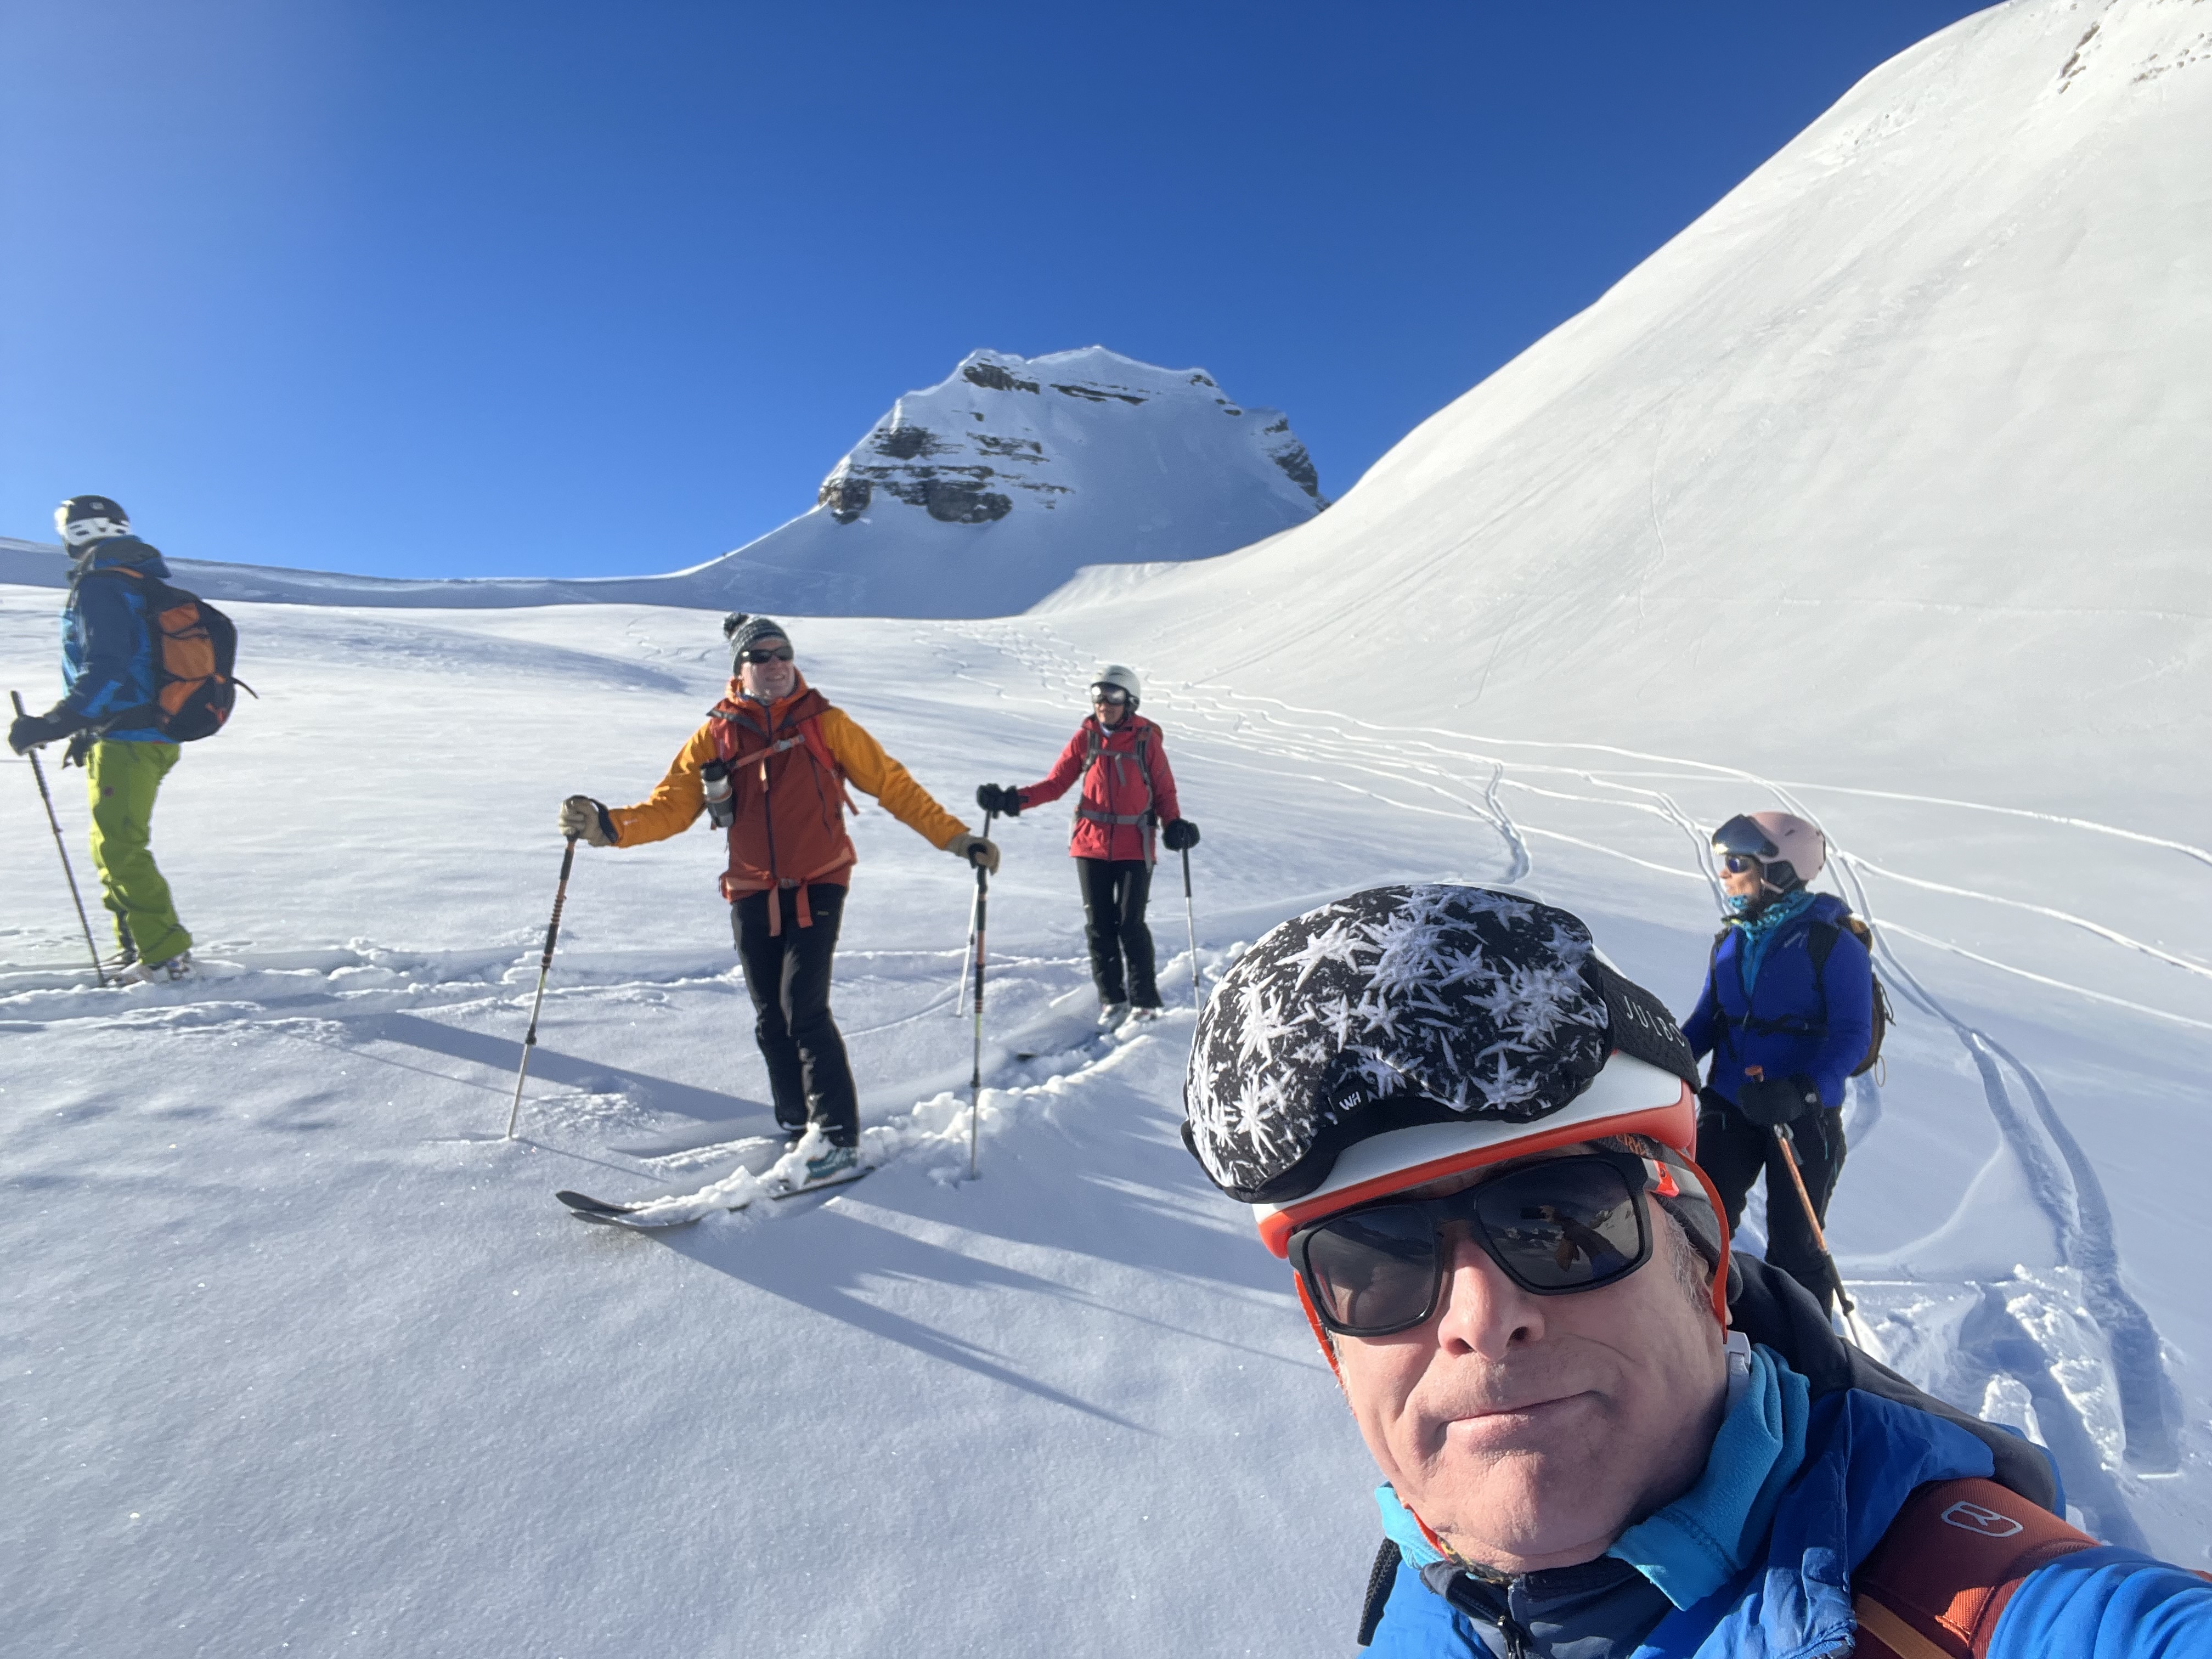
1407	1033
84	519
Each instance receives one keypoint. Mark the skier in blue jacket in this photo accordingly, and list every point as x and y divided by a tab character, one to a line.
111	676
1601	1436
1787	1012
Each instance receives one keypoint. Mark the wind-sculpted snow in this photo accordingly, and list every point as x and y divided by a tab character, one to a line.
1475	1000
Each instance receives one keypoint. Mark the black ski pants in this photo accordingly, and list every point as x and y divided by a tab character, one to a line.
1733	1151
788	972
1113	895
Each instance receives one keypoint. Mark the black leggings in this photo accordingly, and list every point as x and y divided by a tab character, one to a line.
1114	894
1733	1150
787	974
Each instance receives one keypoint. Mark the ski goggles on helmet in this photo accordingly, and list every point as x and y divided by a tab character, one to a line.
1744	838
1109	694
759	653
1553	1227
1739	864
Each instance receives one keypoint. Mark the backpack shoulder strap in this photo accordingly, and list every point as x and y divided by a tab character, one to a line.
1380	1578
1938	1582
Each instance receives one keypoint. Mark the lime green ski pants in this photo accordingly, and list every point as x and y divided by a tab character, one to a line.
123	779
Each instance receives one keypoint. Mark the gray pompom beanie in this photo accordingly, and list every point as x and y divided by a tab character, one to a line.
742	631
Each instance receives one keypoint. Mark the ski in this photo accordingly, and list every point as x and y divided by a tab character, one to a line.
585	1207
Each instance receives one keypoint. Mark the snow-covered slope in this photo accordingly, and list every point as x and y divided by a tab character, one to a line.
975	497
300	1351
1896	459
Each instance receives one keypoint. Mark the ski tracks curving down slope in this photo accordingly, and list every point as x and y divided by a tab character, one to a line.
2058	1343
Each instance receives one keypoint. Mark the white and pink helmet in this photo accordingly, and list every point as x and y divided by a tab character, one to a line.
1790	852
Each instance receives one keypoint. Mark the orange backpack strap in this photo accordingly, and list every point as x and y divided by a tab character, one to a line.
1938	1582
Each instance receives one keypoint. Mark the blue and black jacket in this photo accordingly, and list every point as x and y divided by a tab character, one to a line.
1771	1001
1870	1440
110	661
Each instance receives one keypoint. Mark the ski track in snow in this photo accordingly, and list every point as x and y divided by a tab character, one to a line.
2063	1350
1427	770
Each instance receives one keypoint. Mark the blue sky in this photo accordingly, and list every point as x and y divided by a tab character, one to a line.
430	288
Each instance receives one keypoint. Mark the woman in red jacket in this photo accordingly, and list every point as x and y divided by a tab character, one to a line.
1127	790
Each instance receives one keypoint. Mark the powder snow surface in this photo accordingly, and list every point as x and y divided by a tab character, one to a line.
300	1351
1877	495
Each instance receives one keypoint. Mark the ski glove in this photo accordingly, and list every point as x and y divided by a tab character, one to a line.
1007	803
983	854
582	816
27	732
1773	1100
1180	834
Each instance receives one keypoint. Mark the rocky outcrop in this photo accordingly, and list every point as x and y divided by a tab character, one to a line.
1003	435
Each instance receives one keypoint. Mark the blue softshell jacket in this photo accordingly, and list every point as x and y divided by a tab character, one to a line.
1864	1455
1792	1031
108	661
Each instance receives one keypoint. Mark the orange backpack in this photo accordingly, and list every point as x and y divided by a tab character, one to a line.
197	647
1937	1583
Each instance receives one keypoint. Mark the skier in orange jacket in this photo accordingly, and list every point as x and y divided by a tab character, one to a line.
770	766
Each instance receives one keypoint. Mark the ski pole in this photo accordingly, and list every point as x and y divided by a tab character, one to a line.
1835	1274
975	1076
1190	920
61	846
545	967
967	961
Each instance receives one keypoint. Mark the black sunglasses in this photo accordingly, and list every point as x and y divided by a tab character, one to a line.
1737	864
1553	1228
1109	694
774	653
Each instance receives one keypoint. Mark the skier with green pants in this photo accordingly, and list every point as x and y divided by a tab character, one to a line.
110	667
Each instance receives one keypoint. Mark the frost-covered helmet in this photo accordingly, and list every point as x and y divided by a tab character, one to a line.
1791	853
1405	1034
84	519
1115	675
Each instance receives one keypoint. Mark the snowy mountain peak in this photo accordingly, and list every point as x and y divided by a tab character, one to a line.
965	451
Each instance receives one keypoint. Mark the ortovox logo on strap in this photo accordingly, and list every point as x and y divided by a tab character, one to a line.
1972	1518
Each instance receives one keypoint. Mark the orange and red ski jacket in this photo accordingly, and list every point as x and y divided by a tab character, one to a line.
1127	788
788	763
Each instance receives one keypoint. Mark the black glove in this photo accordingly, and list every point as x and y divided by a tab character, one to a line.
1007	803
1180	834
27	732
1769	1101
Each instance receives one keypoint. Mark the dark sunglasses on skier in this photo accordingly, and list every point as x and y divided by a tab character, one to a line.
1553	1228
766	654
1738	864
1109	694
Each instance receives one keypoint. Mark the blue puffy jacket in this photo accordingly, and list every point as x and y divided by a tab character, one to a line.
109	664
1787	1021
1864	1455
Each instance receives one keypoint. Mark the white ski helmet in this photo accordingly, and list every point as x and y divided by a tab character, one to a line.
1790	852
1123	678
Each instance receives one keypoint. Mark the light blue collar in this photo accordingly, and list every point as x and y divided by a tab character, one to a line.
1756	932
1696	1543
1709	1534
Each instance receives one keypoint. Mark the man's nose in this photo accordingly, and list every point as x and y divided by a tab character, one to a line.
1480	1311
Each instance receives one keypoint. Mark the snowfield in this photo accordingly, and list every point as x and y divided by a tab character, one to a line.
302	1352
1877	495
